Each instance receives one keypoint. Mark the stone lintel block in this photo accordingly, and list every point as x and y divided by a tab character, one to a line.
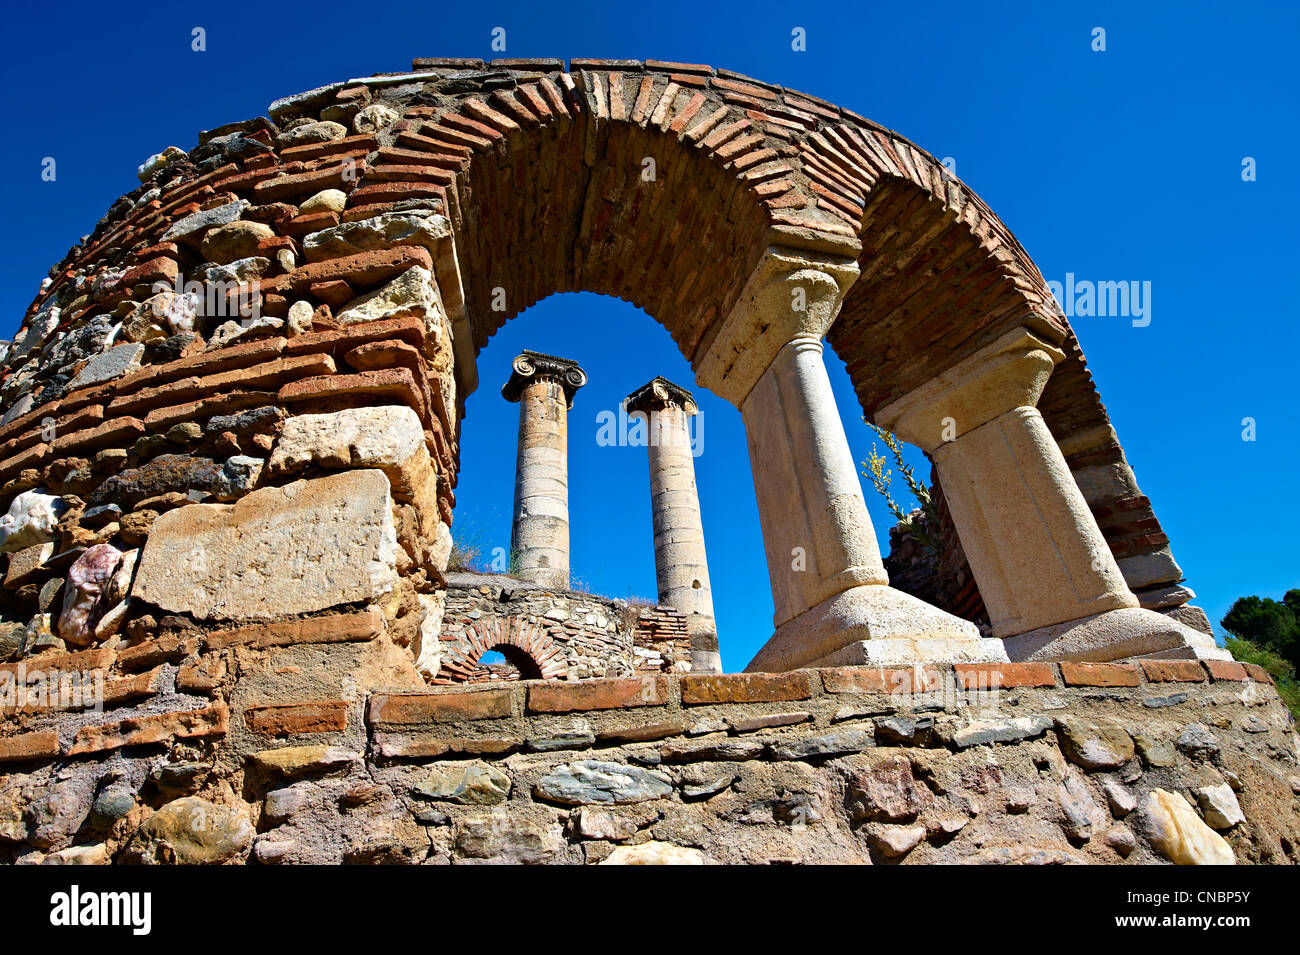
790	294
565	697
1009	373
407	709
745	687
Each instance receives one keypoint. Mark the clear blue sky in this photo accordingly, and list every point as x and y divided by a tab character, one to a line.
1122	165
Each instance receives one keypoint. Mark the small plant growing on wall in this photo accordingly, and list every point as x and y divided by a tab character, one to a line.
920	523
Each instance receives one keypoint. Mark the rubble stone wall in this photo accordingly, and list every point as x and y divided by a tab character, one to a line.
563	635
274	746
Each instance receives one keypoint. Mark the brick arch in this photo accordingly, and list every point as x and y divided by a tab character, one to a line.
527	640
536	167
541	172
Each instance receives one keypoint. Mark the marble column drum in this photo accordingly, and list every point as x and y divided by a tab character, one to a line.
544	386
681	568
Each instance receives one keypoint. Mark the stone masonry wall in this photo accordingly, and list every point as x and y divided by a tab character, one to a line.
244	747
564	635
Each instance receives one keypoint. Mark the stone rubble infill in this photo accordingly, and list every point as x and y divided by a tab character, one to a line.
739	768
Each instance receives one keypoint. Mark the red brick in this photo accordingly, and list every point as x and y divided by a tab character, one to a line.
409	330
116	432
316	150
394	382
152	652
79	661
396	191
981	676
300	226
1258	673
271	374
413	708
155	728
1226	670
334	293
132	687
1100	674
287	719
38	745
1173	671
876	680
202	676
160	269
30	458
307	183
364	268
563	697
334	628
745	687
147	399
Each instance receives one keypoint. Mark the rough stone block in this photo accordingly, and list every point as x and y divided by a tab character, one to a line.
279	551
389	437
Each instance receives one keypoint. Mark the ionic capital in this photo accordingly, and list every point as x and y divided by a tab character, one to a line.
657	394
790	294
1010	373
532	366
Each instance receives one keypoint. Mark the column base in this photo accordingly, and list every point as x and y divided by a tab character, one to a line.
1128	633
876	625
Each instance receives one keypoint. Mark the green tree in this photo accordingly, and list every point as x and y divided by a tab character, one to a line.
1267	623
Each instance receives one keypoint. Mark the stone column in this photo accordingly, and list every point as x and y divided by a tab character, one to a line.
544	386
833	605
681	568
1047	576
